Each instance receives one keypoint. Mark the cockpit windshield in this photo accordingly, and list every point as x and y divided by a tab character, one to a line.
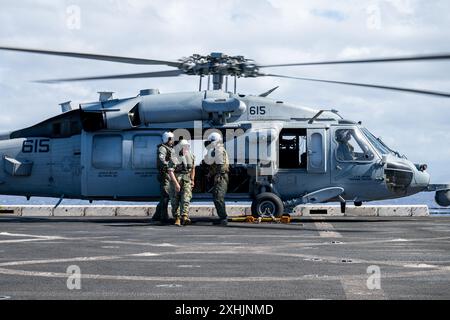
352	146
379	144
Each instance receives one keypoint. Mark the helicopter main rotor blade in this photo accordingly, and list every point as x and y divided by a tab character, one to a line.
156	74
426	92
95	57
444	56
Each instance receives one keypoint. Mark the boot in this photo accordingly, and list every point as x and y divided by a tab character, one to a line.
178	222
165	220
186	221
221	222
155	218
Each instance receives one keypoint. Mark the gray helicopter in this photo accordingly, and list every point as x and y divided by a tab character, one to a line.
281	155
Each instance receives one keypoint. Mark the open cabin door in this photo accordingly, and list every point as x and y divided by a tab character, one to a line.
303	155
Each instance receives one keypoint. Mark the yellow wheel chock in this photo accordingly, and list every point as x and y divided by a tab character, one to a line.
251	219
285	219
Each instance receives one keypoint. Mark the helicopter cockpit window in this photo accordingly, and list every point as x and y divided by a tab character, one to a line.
352	146
376	142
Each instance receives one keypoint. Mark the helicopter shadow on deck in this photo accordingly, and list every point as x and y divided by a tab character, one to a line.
146	221
130	222
294	226
289	227
138	222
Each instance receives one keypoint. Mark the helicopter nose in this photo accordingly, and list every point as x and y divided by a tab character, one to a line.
403	177
420	182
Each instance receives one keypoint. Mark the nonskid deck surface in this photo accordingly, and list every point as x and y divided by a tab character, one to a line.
317	258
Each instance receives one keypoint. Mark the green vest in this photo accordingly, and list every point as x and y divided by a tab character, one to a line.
163	157
221	165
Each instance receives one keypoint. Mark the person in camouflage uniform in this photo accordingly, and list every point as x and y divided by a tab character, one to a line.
182	175
163	158
218	168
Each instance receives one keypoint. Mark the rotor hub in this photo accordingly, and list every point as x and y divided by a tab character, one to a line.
219	63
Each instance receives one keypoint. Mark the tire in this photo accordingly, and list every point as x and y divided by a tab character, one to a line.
267	203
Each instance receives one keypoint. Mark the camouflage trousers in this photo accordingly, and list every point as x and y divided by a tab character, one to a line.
161	212
180	201
219	192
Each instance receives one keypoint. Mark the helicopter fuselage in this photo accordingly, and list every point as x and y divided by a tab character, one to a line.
107	151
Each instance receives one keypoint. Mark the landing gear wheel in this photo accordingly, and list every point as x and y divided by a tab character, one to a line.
358	203
267	204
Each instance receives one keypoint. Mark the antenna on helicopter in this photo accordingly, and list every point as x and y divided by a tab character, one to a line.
105	96
66	106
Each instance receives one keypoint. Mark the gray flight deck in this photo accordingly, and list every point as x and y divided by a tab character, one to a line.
316	258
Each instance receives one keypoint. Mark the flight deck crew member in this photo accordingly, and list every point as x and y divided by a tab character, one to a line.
182	176
164	155
218	167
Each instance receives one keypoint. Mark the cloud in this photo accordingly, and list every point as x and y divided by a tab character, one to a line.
329	14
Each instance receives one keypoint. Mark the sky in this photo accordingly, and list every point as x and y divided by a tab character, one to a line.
268	31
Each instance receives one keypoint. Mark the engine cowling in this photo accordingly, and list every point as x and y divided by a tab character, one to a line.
180	107
145	109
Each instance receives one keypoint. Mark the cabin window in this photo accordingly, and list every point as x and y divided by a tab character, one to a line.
352	146
145	151
316	157
107	152
75	127
56	129
92	121
292	149
317	150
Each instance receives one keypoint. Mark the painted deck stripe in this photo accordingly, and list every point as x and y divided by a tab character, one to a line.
356	289
326	230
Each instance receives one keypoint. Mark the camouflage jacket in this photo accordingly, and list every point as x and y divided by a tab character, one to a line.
182	164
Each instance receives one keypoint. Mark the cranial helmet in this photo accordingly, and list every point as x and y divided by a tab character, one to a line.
215	137
167	136
343	135
184	143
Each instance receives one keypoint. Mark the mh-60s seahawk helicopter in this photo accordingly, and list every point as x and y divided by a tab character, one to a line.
106	150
